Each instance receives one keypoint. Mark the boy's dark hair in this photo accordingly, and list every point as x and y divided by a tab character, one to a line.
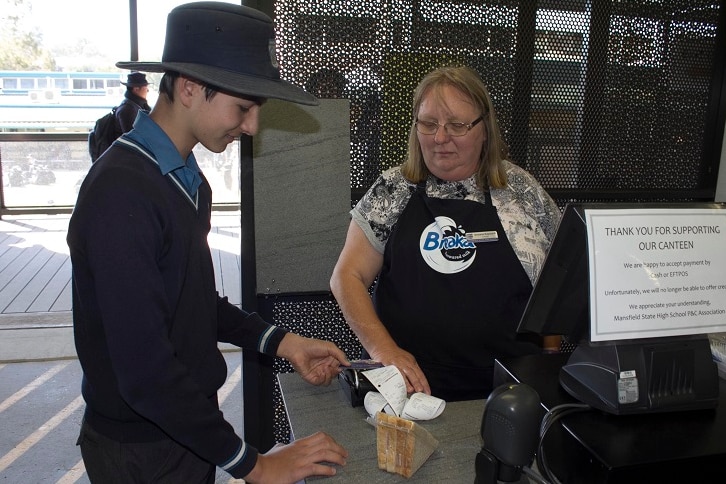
166	86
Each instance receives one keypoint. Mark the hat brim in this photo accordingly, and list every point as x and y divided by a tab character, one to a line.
232	82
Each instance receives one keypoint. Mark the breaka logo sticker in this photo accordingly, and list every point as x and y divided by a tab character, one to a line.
444	247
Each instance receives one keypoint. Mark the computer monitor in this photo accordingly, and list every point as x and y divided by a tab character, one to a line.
649	366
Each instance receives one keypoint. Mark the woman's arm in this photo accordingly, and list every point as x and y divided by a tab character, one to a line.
357	267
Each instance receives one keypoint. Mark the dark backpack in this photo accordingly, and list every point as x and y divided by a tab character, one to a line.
103	134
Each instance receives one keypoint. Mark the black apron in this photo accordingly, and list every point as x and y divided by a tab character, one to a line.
453	304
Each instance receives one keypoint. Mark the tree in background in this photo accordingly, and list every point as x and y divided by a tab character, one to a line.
22	48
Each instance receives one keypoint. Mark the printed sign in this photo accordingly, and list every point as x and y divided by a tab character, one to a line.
656	272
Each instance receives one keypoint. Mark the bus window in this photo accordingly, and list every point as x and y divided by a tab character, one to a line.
27	83
9	83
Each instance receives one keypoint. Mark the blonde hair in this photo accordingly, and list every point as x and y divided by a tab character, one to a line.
491	171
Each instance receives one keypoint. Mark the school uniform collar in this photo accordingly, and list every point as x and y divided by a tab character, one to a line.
150	135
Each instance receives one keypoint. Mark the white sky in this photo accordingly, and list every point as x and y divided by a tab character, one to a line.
106	23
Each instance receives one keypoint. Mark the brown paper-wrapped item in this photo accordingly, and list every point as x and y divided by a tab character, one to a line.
403	446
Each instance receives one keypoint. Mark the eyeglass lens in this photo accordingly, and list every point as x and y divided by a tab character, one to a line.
453	129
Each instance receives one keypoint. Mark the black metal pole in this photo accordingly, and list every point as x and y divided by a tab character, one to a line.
134	30
258	375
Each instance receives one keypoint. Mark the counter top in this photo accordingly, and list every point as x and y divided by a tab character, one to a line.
311	409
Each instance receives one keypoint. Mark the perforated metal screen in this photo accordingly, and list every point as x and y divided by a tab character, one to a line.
313	315
593	97
600	100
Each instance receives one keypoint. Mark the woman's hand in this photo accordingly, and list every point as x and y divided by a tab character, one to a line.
416	381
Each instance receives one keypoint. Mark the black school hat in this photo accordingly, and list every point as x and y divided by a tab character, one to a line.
228	46
136	79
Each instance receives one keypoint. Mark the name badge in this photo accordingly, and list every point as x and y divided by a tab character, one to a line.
486	236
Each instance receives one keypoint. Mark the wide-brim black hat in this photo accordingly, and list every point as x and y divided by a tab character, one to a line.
136	79
228	46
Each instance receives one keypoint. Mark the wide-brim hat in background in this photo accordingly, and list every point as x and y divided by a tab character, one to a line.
228	46
136	79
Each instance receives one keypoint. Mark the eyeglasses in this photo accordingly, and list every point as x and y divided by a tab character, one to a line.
452	129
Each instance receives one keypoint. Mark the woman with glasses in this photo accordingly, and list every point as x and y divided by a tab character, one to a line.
454	238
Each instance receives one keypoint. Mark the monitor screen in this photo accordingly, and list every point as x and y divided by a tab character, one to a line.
559	303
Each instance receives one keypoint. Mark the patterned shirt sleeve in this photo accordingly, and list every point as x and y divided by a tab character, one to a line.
530	218
378	211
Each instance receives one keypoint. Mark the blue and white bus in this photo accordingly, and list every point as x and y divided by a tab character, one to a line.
56	101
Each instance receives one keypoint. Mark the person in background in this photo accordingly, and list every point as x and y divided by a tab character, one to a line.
137	89
147	318
455	237
327	83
